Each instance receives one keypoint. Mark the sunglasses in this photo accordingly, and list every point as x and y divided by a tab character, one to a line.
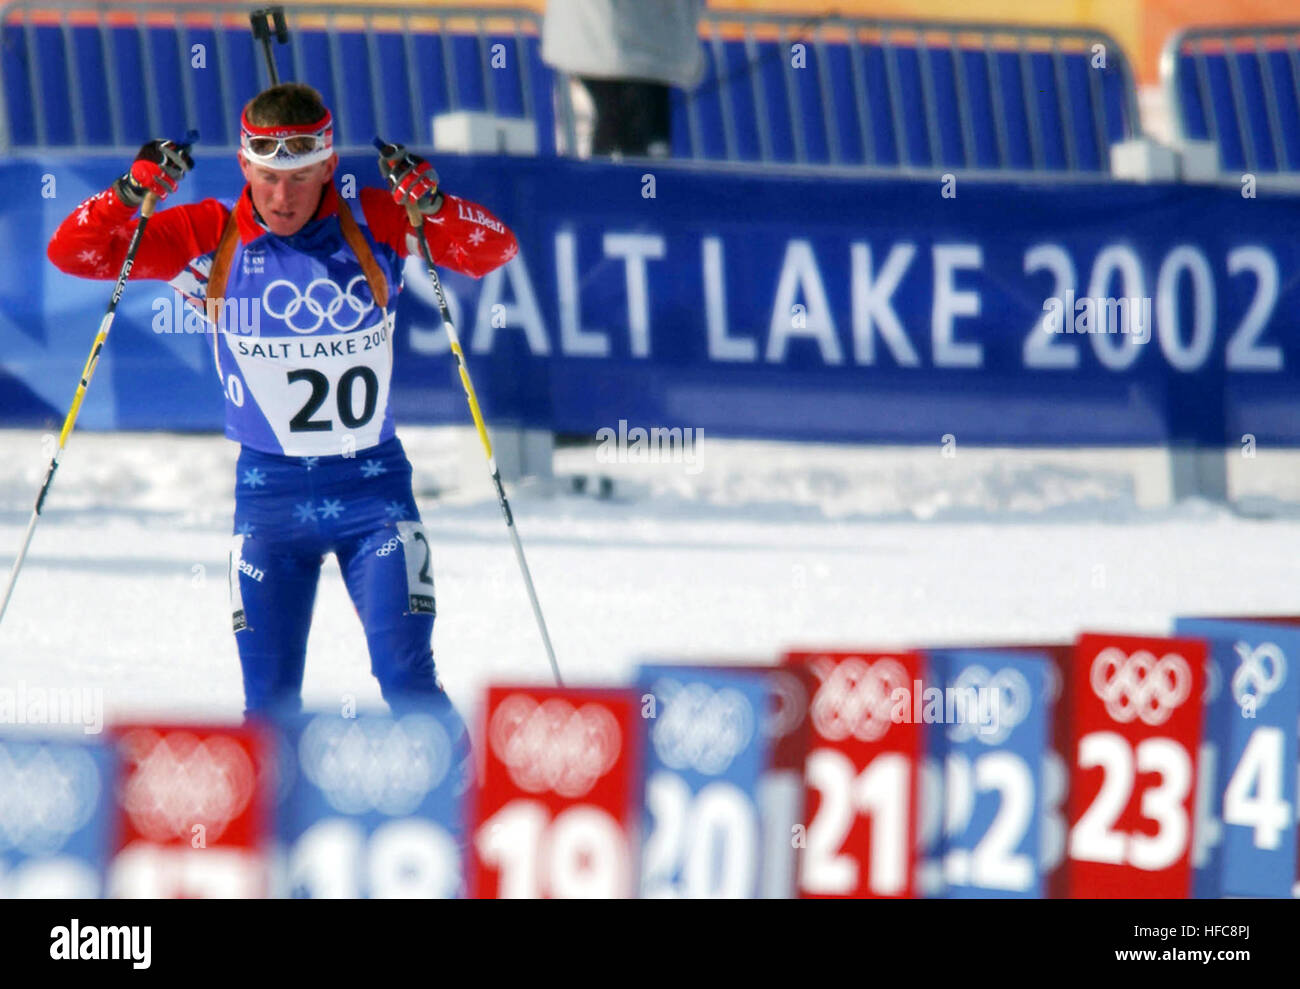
269	148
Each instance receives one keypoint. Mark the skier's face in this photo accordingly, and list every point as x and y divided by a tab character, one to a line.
286	200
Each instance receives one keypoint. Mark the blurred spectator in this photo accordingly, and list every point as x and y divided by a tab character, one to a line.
623	55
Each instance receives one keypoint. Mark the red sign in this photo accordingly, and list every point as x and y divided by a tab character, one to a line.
861	774
1137	708
557	814
193	812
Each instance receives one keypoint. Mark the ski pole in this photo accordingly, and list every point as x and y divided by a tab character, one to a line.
70	420
417	221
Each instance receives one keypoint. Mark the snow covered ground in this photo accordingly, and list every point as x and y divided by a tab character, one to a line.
756	548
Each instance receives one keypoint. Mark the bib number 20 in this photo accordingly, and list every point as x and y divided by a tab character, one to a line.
302	422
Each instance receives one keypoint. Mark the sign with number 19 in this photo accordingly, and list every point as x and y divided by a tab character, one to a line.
557	810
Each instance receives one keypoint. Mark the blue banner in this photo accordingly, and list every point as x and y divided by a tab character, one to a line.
706	755
1245	834
741	303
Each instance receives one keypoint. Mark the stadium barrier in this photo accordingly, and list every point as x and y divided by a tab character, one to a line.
899	95
906	94
1236	91
1114	766
67	65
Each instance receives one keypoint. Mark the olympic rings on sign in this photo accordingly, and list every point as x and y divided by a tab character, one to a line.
552	746
366	764
1014	698
175	782
47	792
1140	686
701	728
855	698
1252	683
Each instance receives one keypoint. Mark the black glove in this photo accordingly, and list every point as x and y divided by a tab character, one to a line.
411	179
158	168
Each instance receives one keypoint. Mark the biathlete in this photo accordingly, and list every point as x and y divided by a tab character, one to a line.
306	388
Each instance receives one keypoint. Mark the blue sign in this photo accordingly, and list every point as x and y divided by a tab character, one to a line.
875	310
56	818
1245	834
372	806
994	743
706	755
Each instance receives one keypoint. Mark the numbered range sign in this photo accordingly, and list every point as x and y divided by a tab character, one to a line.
56	818
372	806
861	774
1055	777
706	752
1245	841
1136	725
1054	783
992	737
192	811
781	789
560	802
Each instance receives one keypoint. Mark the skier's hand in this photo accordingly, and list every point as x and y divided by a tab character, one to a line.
158	168
413	180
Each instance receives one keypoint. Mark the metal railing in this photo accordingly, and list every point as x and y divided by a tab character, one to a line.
829	116
990	44
1192	49
228	27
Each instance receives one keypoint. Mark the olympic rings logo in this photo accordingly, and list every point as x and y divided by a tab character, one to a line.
177	782
701	728
855	698
391	545
322	299
47	793
1014	699
369	764
1140	686
1252	683
552	746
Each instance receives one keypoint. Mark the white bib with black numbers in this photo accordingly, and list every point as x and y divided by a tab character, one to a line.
319	394
307	367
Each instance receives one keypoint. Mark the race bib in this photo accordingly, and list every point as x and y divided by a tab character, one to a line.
316	391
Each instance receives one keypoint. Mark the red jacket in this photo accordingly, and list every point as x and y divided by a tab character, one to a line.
92	241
